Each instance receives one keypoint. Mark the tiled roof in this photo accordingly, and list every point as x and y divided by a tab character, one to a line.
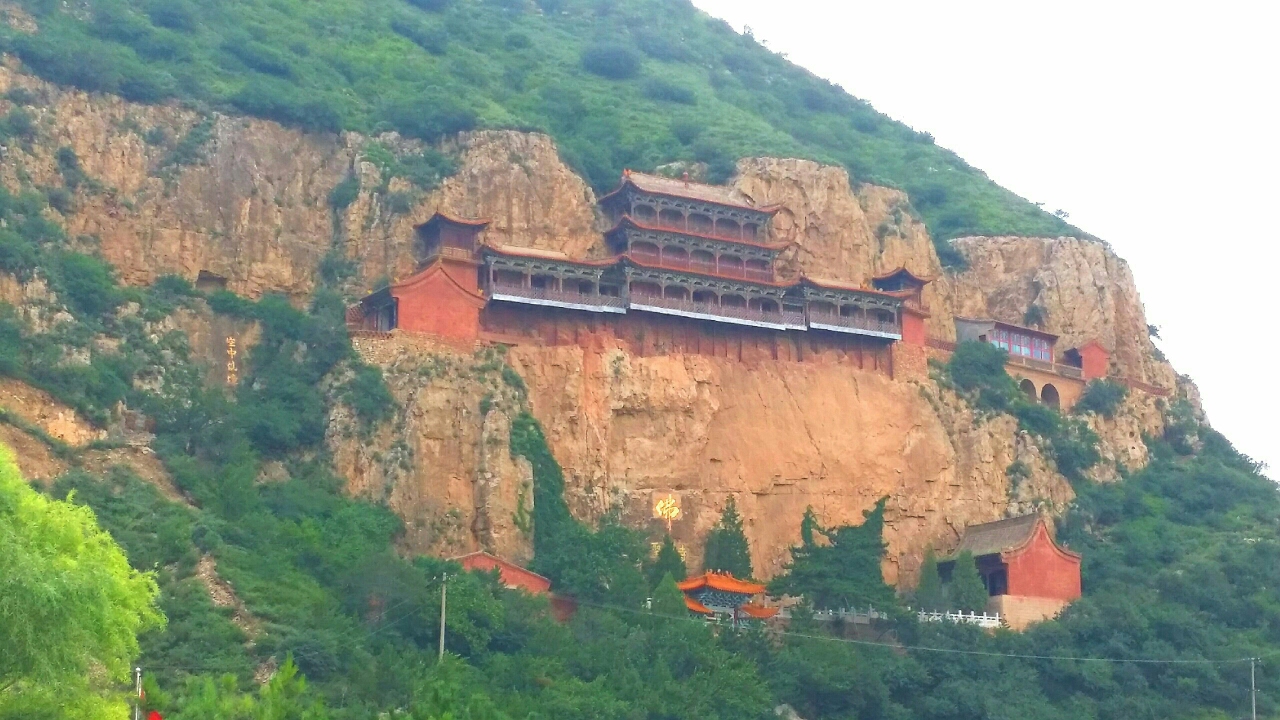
1019	328
723	582
850	287
758	612
659	185
997	537
476	222
902	270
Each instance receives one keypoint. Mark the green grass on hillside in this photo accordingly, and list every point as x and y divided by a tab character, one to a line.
618	83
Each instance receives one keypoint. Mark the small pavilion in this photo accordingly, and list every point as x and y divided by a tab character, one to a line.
720	597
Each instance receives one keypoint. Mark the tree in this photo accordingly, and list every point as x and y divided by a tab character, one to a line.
668	562
929	594
727	549
843	572
966	591
71	606
668	601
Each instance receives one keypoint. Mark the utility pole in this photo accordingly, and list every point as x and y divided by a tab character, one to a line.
1253	686
137	693
444	590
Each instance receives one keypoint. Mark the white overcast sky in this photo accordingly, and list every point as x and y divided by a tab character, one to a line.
1153	124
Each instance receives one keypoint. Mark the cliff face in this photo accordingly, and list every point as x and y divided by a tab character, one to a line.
251	206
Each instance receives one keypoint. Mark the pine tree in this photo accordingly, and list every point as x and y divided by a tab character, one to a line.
726	548
966	591
844	572
929	594
668	601
668	562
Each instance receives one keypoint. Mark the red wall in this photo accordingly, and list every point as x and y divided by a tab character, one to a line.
1095	361
511	575
442	300
912	328
1042	570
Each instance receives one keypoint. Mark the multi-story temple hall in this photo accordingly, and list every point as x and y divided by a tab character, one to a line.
680	252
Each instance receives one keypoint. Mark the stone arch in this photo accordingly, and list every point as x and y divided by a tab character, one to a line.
1049	396
1028	388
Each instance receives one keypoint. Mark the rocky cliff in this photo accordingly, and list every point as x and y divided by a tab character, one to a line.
247	202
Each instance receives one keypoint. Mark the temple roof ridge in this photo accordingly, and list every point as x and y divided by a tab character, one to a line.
689	189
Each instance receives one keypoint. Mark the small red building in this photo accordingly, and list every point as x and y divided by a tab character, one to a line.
720	597
513	576
1028	576
908	286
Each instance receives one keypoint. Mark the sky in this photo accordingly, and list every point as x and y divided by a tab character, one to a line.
1153	124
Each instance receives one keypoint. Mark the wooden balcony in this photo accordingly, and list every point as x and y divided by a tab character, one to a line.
703	268
855	325
782	320
1070	371
591	302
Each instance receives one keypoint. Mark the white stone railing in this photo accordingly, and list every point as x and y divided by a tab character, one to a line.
982	620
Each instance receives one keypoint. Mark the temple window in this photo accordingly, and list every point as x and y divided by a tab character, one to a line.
585	287
702	261
733	301
763	304
848	310
544	282
822	308
731	265
644	213
645	250
700	223
508	277
675	292
728	228
610	290
759	268
675	255
646	289
671	219
750	231
705	296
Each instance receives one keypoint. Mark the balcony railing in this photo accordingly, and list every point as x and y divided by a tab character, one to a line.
727	313
556	298
856	323
705	268
1057	368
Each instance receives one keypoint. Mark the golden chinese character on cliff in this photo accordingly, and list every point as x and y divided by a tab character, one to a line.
668	509
232	369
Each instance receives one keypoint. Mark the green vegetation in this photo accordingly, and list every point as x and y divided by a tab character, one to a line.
726	545
977	369
71	607
966	592
843	572
633	84
928	593
668	563
1101	397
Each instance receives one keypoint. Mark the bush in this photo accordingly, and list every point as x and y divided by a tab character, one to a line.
259	57
69	166
367	394
18	123
283	102
436	115
663	90
344	193
979	365
1101	397
88	284
434	40
431	5
174	14
18	256
611	61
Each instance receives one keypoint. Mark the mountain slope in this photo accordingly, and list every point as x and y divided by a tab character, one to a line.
631	84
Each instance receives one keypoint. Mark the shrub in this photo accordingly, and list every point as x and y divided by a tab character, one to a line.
20	96
611	61
174	14
367	394
260	57
69	166
434	40
399	202
1101	397
435	115
663	90
344	193
88	284
431	5
18	256
59	199
976	365
283	102
190	149
18	123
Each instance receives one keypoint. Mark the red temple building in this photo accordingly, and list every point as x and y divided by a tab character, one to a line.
1042	373
1028	576
512	576
681	252
720	597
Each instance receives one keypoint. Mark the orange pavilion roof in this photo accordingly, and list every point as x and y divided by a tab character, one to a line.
723	582
758	612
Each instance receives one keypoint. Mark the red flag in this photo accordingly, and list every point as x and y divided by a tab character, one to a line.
153	715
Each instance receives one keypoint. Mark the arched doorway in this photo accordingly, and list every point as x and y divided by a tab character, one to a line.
1049	396
1028	388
